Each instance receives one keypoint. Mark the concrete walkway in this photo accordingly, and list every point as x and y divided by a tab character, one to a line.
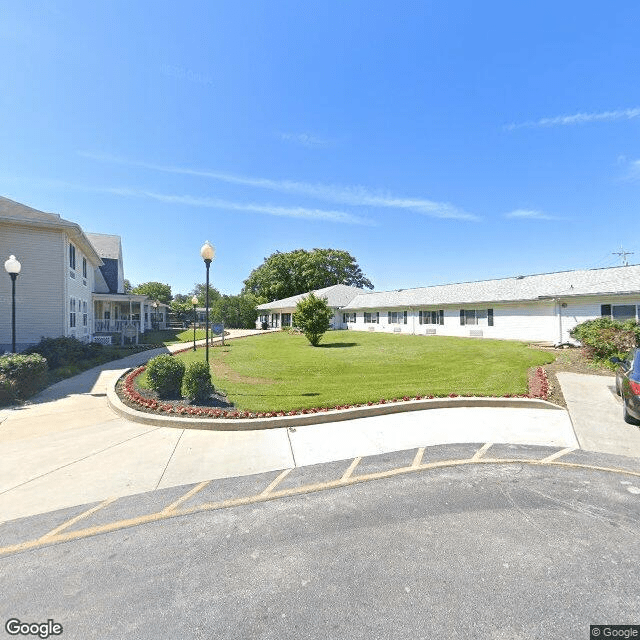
68	448
596	413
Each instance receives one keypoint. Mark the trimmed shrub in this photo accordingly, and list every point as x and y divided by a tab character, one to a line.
196	384
62	351
313	317
604	338
165	375
21	376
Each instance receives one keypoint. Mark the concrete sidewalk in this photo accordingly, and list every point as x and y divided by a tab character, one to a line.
596	413
68	448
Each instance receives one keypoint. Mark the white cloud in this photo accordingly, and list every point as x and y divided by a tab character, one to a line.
354	196
216	203
305	139
578	118
530	214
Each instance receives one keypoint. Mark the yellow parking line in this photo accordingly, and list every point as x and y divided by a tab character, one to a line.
556	455
481	451
346	480
276	482
347	474
418	459
85	514
186	496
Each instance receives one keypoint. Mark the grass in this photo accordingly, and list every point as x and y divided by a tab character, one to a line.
171	336
279	371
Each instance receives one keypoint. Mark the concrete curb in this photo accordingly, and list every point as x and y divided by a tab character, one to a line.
337	415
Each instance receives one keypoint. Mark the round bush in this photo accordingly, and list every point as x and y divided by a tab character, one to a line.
165	375
196	384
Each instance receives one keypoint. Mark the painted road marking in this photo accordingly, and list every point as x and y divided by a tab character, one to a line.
557	454
85	514
276	482
58	535
186	496
351	469
480	452
418	459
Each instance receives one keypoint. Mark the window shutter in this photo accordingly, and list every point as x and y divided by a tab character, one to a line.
441	316
605	310
405	317
377	317
490	317
461	316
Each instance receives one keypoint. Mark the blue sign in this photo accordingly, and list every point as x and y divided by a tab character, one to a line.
217	328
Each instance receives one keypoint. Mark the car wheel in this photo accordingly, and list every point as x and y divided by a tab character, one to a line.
629	419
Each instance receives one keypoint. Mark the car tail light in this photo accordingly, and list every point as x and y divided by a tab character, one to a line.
635	387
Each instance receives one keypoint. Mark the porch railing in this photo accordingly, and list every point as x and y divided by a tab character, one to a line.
113	326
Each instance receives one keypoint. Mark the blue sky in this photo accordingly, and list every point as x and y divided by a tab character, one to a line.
435	141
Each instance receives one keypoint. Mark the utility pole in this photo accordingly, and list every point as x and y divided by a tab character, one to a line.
623	256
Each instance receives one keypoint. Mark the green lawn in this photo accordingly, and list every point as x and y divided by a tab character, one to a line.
279	371
171	336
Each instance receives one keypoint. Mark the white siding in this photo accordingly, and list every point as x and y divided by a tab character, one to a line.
80	289
40	287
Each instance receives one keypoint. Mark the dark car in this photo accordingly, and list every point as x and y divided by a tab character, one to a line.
628	385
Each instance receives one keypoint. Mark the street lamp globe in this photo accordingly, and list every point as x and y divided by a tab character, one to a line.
12	265
207	251
194	300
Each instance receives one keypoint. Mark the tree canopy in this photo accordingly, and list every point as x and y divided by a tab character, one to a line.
155	291
200	291
237	312
287	274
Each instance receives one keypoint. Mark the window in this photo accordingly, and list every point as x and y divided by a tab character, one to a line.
286	319
397	317
72	256
84	313
620	312
476	316
431	317
372	317
348	317
84	267
72	312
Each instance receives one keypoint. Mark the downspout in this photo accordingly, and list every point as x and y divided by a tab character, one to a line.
559	320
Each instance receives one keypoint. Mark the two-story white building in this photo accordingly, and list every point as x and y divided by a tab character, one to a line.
71	283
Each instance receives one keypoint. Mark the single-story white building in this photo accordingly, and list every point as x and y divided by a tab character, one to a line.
279	313
537	308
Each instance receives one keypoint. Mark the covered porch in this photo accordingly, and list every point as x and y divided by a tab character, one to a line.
112	312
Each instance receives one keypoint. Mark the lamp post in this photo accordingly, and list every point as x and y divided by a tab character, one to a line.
194	302
208	253
155	315
12	267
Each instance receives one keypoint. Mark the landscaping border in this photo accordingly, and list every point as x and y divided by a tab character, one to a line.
238	422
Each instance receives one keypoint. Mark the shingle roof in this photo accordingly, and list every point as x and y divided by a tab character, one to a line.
12	212
337	296
13	209
612	280
107	246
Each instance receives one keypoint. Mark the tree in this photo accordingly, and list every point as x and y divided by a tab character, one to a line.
287	274
182	298
200	290
182	310
127	286
155	290
237	312
313	317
